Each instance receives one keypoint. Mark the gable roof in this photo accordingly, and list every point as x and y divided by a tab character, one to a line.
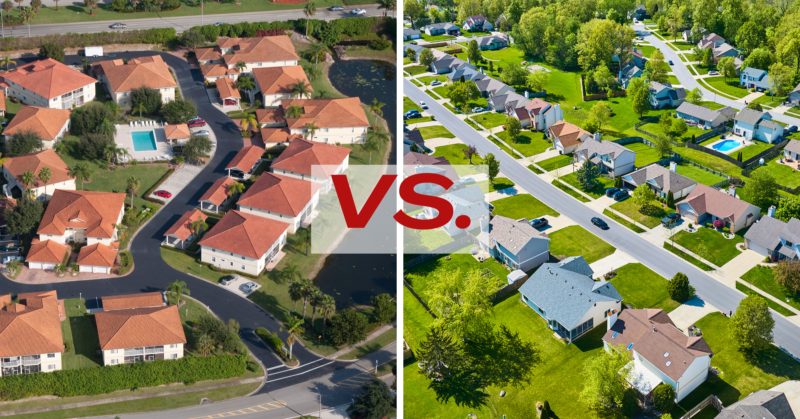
218	192
665	179
139	327
656	338
328	113
311	158
227	88
443	25
177	131
414	136
590	147
124	302
763	404
513	235
149	71
278	135
97	212
722	49
34	162
409	32
755	73
568	134
279	194
182	228
792	145
766	232
475	19
48	78
488	40
32	326
258	49
509	100
269	116
749	116
48	251
490	85
413	160
700	112
97	254
215	70
45	122
705	199
244	234
246	158
538	106
279	80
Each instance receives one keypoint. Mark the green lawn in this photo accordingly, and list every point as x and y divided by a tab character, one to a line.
406	61
642	288
499	184
522	206
79	330
409	105
730	87
441	91
598	190
577	241
472	124
644	154
419	276
554	163
685	256
428	79
754	149
528	143
683	45
416	83
768	100
651	217
367	348
763	278
784	175
415	69
710	245
435	38
701	176
436	131
560	185
707	160
490	119
623	221
655	128
454	153
710	141
747	290
418	120
432	239
647	50
502	146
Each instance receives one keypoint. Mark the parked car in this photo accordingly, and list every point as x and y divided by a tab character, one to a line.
435	83
358	12
640	38
228	279
539	222
197	123
219	23
336	8
203	132
467	181
599	223
8	259
412	42
611	191
713	73
791	128
412	114
671	63
477	109
194	118
163	194
620	195
422	104
119	26
249	287
230	102
238	174
670	220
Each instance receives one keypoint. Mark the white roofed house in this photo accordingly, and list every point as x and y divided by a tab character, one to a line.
467	201
514	242
661	180
608	156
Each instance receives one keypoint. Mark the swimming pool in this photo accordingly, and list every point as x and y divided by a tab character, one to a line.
144	140
726	145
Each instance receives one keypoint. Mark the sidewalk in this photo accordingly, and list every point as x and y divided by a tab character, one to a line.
371	336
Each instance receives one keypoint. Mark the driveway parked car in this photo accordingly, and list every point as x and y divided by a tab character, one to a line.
611	191
238	174
422	104
620	196
477	109
336	8
163	194
713	73
358	12
230	102
539	222
119	26
412	114
791	128
435	83
670	220
8	259
599	223
203	132
249	287
228	279
197	123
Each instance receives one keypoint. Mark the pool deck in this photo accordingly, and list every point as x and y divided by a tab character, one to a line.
163	147
742	144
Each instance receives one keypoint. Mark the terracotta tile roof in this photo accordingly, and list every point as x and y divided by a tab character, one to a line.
138	327
568	134
204	54
182	229
44	121
279	80
124	302
48	251
5	203
48	78
217	70
655	337
246	158
302	155
178	131
261	49
227	88
97	254
2	99
329	113
218	192
34	162
30	327
705	199
281	194
244	234
267	116
143	71
278	135
97	212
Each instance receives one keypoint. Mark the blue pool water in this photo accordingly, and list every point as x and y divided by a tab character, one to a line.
144	140
726	145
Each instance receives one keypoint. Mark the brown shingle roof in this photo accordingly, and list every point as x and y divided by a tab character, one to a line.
182	229
536	106
218	192
177	131
2	100
705	199
127	301
152	72
244	234
45	122
34	162
138	327
279	80
97	254
227	88
261	49
281	194
48	251
246	158
97	212
48	78
329	113
302	155
31	327
568	134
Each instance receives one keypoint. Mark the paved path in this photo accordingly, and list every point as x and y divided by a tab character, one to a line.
739	266
381	330
690	312
611	262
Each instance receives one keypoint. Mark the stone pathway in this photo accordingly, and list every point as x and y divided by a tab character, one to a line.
690	312
611	262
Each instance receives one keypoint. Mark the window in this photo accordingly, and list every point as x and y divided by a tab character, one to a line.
789	244
231	263
173	346
114	361
173	356
213	259
114	351
51	355
242	257
51	367
243	267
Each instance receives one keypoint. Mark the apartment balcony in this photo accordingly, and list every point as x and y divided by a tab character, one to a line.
30	360
154	350
137	351
11	363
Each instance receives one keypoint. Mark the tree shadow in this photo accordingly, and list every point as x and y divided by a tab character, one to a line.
463	389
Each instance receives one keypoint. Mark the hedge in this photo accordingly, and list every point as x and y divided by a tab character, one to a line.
350	26
76	40
93	381
125	262
152	189
273	341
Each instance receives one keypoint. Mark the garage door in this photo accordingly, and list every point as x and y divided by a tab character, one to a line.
100	270
35	265
85	268
48	265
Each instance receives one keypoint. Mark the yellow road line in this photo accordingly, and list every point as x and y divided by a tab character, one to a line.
277	404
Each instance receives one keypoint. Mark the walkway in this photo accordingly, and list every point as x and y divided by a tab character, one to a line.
381	330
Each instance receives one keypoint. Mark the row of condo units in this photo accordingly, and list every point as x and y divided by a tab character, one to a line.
278	203
130	328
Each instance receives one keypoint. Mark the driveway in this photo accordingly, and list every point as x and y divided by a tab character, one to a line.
178	180
739	266
611	262
690	312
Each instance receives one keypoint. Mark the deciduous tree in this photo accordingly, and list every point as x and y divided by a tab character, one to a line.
459	299
694	96
513	128
679	288
493	165
787	275
781	77
752	324
663	144
788	208
761	188
348	327
605	379
375	400
473	52
426	57
601	111
643	196
639	95
536	80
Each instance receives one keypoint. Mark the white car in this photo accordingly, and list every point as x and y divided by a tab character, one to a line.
713	73
423	105
203	132
358	12
249	287
477	109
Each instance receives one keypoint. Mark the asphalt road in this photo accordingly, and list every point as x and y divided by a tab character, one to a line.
183	23
663	262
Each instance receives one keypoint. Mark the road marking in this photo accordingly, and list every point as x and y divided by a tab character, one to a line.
275	368
277	404
296	369
304	372
355	381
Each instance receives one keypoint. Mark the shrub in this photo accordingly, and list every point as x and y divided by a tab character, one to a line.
380	44
92	146
690	226
52	50
149	97
630	403
67	346
348	327
718	224
23	142
179	111
191	38
272	340
125	262
679	288
767	259
663	397
726	230
708	225
87	118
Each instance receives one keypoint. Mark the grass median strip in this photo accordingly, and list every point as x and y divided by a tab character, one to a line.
503	147
772	304
558	184
623	221
763	278
685	256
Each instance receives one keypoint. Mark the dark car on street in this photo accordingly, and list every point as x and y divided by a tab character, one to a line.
539	223
599	223
670	220
611	191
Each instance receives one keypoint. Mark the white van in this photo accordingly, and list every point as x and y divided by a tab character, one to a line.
93	51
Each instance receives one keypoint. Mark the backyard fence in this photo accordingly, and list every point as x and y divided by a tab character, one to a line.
766	155
421	301
714	132
598	96
663	162
711	400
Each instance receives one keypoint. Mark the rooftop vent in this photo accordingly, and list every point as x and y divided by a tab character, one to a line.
666	354
669	363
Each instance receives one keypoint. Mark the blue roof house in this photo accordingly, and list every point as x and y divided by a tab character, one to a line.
753	78
568	299
627	73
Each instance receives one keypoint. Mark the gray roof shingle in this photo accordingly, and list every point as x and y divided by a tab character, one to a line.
749	116
763	404
590	147
766	232
664	178
700	112
511	234
793	146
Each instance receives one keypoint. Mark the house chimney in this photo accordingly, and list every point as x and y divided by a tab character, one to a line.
771	211
732	190
673	166
597	136
611	320
484	221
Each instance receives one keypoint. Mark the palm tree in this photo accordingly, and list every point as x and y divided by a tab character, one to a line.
294	327
235	188
106	128
7	60
133	186
176	290
139	108
3	160
241	65
294	111
300	89
123	155
44	175
121	231
296	293
377	108
306	287
204	344
388	4
198	226
114	107
309	10
315	49
81	171
28	15
291	272
112	152
375	139
311	129
327	307
28	178
316	299
249	121
245	83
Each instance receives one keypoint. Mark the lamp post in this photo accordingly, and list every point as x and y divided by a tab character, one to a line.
320	401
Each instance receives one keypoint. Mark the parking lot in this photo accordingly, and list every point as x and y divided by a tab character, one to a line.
236	286
178	180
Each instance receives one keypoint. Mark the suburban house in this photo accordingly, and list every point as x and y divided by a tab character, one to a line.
52	125
567	137
568	299
701	115
791	151
711	40
45	254
492	43
513	242
448	63
127	301
467	72
245	162
661	353
640	12
121	78
131	335
662	95
414	47
409	34
507	102
414	163
30	339
753	78
490	87
724	50
794	95
414	138
779	402
477	23
271	118
628	72
181	234
661	180
264	51
215	72
282	198
49	84
82	217
755	125
539	114
309	160
772	237
706	204
608	156
15	167
228	91
275	83
445	28
178	133
217	196
243	242
98	258
338	121
467	201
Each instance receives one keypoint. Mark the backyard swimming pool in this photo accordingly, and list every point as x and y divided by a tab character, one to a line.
144	140
726	145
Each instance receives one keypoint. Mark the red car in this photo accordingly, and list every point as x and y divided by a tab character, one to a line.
197	123
230	102
163	194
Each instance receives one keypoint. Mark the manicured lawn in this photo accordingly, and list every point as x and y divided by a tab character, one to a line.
655	128
415	69
647	50
685	256
554	163
367	348
754	149
499	184
522	206
644	154
768	100
472	124
642	288
431	239
712	105
730	87
673	80
502	146
428	79
406	61
784	175
409	105
454	153
710	245
434	38
747	290
710	141
596	191
683	45
701	176
703	70
577	241
418	120
441	91
558	184
528	143
419	276
623	221
707	160
79	330
490	119
436	131
763	278
651	217
416	83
